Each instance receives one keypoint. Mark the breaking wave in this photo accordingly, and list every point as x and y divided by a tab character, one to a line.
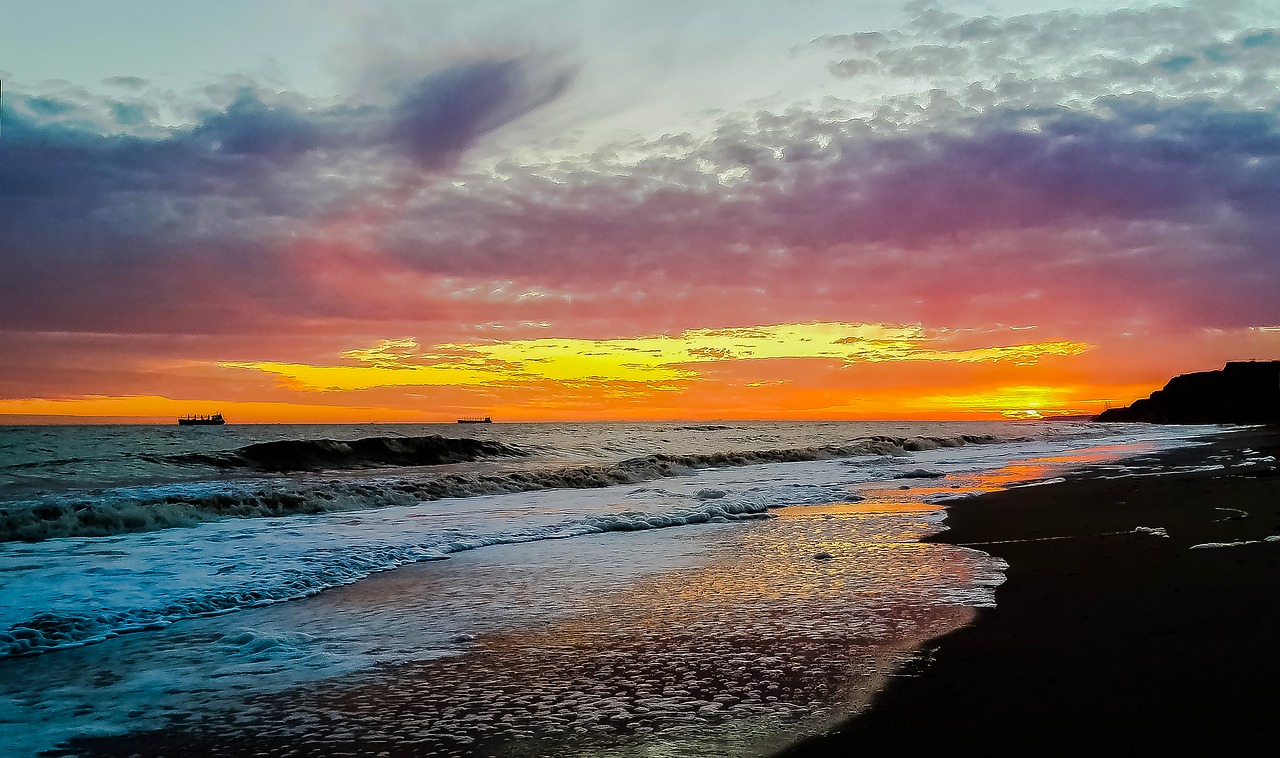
147	508
329	568
329	455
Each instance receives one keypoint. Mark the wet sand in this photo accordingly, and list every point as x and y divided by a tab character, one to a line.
733	650
1104	640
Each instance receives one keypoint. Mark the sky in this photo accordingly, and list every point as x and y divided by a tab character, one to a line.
328	211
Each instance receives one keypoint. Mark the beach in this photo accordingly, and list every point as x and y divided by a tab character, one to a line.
812	599
1104	639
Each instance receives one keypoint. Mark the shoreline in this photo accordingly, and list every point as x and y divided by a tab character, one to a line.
734	645
1103	638
456	705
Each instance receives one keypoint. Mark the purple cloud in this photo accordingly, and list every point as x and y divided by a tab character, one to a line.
1174	194
272	210
99	227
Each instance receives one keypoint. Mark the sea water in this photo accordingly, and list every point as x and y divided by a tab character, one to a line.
540	589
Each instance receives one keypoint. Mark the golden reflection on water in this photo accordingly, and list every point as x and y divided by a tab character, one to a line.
915	495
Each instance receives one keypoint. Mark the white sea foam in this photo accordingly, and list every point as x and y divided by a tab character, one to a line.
148	581
118	510
659	628
1237	543
68	592
1039	482
1254	460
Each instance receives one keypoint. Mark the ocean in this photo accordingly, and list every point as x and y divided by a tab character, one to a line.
601	589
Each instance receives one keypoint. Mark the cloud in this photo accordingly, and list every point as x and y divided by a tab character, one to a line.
133	83
98	223
659	362
1143	198
1072	56
1093	175
442	114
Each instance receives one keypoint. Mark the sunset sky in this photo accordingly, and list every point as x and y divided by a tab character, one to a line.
314	210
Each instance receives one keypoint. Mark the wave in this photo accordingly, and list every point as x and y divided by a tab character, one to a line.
48	463
328	455
325	569
138	509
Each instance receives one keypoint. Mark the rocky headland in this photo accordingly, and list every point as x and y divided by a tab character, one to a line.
1242	392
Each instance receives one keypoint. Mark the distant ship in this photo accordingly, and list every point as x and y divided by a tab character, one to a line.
214	420
485	420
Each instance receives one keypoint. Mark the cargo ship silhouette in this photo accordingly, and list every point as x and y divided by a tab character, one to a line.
214	420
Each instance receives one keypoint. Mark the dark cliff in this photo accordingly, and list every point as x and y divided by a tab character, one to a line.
1240	393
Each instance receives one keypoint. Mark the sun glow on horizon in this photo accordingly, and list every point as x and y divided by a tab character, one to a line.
814	370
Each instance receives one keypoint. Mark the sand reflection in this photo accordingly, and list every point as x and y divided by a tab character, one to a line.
784	626
766	640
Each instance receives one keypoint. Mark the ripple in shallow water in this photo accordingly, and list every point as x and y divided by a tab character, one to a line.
733	657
